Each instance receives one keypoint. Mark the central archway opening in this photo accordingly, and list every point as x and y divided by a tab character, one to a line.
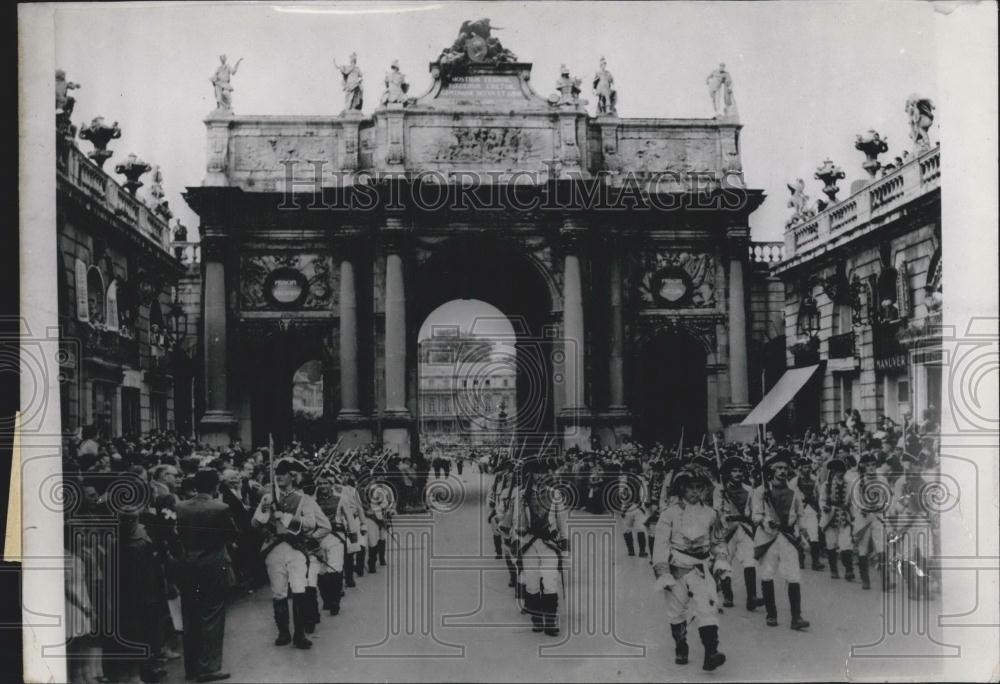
484	345
467	378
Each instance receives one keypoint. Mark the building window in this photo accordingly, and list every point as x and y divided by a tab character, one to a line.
158	411
933	393
846	393
131	423
102	408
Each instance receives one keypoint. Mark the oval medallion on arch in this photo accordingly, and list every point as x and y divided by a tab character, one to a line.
286	288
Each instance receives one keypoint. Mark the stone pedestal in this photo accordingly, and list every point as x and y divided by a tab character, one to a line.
217	428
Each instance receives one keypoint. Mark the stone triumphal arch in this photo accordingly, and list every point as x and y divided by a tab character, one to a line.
616	242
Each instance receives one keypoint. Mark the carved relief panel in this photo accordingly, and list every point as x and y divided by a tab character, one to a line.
497	147
304	282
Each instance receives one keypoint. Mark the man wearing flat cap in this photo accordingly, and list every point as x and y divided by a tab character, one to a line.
286	522
777	512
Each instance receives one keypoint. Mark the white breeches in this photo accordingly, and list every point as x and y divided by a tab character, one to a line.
781	558
693	594
541	568
286	567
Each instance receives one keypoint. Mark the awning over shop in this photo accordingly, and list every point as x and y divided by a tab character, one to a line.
788	386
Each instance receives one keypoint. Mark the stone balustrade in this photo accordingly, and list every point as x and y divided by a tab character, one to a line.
74	167
767	252
188	253
873	202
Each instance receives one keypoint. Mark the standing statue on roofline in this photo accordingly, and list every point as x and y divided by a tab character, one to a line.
221	83
353	80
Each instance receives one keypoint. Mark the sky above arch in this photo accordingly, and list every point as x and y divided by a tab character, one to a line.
808	76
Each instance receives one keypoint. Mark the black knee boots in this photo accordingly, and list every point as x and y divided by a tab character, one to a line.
311	606
726	585
795	603
281	620
371	560
380	547
359	562
831	558
349	570
710	640
550	608
497	547
300	620
815	552
531	602
629	544
866	582
641	537
330	587
767	588
750	582
847	558
679	631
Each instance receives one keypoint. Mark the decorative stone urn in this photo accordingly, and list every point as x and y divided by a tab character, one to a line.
99	134
872	145
829	174
132	168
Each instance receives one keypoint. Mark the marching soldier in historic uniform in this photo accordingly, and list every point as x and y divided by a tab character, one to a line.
835	519
378	513
808	487
777	513
656	476
354	543
314	552
733	504
343	527
634	493
540	522
690	536
505	511
870	497
286	516
492	501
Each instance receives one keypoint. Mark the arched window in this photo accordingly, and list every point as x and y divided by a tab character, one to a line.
96	304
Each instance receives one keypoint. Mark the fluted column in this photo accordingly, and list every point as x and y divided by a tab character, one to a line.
218	423
348	341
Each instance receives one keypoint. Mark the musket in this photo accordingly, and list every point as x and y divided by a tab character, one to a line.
680	443
270	468
718	458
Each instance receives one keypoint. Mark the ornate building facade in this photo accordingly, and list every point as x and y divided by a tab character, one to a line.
620	246
863	287
468	389
122	334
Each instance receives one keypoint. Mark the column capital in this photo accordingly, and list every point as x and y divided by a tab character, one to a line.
213	245
738	237
394	235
